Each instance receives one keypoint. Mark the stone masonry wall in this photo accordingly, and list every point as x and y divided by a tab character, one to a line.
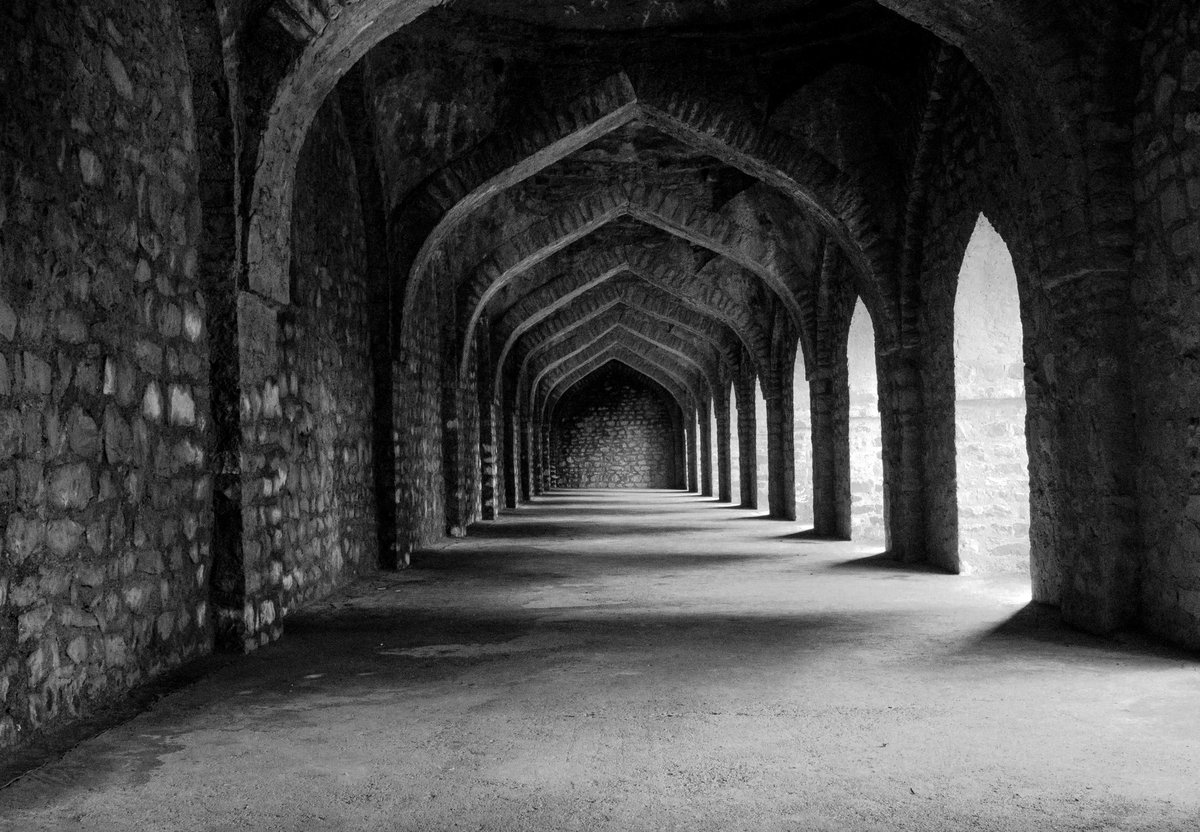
420	492
613	432
972	169
307	511
104	499
327	499
1167	190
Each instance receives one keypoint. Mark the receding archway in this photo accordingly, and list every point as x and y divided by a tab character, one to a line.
714	460
802	442
760	446
735	456
992	461
867	521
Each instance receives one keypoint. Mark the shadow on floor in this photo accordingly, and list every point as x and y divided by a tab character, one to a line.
884	562
522	565
811	536
1041	625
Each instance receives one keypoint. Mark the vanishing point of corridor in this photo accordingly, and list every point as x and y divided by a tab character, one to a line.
653	660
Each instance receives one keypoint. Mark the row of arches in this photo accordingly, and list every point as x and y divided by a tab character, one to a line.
883	262
991	456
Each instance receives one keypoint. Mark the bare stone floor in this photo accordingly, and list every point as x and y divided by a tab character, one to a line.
650	660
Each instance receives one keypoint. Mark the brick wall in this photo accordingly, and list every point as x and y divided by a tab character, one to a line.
614	431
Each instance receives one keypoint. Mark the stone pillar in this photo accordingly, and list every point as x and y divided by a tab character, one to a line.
747	439
693	467
535	454
528	456
452	474
724	457
781	450
831	453
490	487
512	452
706	470
680	432
547	439
1095	454
901	416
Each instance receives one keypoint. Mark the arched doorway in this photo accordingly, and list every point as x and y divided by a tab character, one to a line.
992	461
866	434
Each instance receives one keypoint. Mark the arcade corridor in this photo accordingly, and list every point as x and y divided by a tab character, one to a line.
653	660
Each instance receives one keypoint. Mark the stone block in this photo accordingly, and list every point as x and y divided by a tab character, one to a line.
8	321
63	536
90	168
31	624
71	327
77	650
152	404
258	339
70	486
37	375
149	357
83	435
183	406
118	437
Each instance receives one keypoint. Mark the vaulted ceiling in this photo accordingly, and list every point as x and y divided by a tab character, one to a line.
663	178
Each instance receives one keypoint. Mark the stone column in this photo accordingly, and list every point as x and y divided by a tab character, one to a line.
747	439
512	452
724	456
535	454
528	455
547	439
831	453
902	419
680	433
490	487
1094	457
452	473
781	450
706	471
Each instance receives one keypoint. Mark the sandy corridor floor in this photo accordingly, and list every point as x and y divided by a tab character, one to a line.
653	661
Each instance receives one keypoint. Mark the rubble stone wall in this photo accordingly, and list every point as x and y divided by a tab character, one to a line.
327	499
614	433
105	500
1167	193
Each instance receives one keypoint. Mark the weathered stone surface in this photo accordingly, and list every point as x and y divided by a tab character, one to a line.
616	432
77	350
